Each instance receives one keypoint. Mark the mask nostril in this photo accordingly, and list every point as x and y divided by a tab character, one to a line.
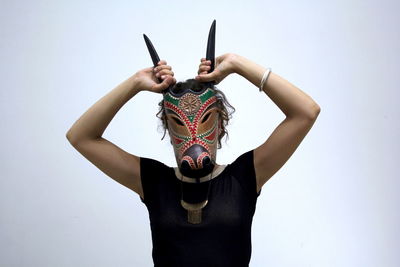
185	166
206	161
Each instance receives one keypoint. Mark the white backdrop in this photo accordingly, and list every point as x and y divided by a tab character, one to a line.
335	201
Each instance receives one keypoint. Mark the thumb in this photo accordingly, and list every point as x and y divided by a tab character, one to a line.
207	77
167	82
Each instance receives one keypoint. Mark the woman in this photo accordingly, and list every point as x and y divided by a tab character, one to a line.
197	220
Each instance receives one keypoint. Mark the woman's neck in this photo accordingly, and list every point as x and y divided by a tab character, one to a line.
216	171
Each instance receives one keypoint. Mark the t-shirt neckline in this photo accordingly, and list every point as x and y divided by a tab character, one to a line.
216	173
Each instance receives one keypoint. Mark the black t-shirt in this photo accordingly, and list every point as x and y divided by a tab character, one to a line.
223	238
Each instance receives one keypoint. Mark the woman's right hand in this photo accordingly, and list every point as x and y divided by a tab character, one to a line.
148	79
224	65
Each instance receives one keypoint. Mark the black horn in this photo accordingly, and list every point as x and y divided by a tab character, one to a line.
153	53
154	56
210	54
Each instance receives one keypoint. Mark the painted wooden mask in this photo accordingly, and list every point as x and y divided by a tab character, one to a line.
193	125
193	119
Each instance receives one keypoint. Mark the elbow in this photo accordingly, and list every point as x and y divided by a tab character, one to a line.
68	135
315	110
76	139
312	112
70	138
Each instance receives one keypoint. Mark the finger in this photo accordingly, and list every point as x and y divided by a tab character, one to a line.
162	62
201	66
202	59
202	73
161	68
204	68
165	73
205	63
171	80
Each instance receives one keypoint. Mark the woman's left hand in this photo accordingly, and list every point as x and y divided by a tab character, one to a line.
224	65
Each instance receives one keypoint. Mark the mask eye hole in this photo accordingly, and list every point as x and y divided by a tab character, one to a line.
206	117
178	121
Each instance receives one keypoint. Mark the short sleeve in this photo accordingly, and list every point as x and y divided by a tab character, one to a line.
245	173
150	172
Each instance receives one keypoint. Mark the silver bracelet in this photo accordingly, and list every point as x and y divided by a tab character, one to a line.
264	78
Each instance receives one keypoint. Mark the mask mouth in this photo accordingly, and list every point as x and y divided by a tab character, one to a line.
196	162
196	173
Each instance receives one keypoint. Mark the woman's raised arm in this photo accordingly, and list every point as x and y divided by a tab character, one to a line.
300	109
85	135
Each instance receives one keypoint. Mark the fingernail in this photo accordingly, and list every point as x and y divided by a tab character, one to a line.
163	77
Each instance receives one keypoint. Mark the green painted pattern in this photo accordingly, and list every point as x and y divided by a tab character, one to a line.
206	95
191	118
171	99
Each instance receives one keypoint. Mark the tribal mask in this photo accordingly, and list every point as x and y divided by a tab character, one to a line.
193	126
193	119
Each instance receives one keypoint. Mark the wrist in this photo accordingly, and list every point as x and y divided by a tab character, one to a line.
236	63
135	83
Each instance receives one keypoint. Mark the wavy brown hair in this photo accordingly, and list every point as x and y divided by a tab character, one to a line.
225	109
